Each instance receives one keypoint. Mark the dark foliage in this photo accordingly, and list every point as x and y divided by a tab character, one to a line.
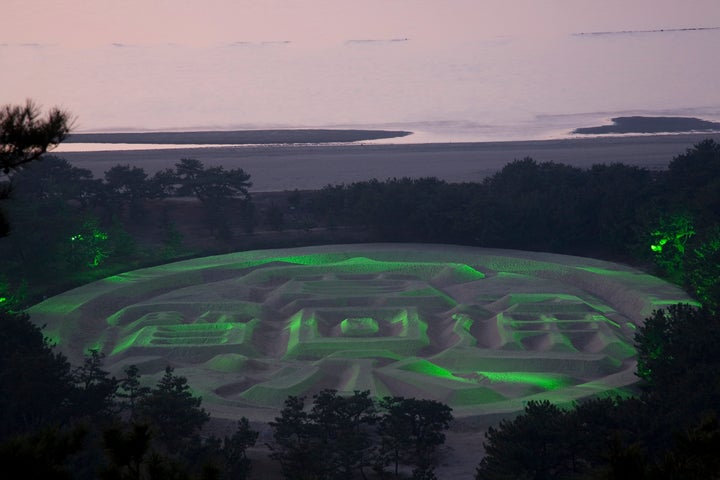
611	211
667	432
332	440
679	361
528	205
174	414
24	137
126	188
296	442
340	436
44	454
411	430
94	392
223	193
36	384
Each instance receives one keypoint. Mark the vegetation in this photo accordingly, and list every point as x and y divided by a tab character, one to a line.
670	431
68	225
342	437
64	421
24	137
410	432
80	422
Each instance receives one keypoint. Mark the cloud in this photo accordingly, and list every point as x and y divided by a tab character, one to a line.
26	45
377	40
264	43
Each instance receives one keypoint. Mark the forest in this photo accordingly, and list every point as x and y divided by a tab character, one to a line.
61	228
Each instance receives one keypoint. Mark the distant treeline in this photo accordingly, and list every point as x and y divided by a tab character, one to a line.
67	223
652	125
60	421
238	137
669	219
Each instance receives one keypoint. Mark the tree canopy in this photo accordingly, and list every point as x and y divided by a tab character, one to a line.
341	435
25	135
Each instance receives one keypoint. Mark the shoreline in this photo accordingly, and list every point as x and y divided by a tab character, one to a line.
634	125
239	137
312	166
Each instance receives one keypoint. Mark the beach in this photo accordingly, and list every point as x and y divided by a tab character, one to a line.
301	166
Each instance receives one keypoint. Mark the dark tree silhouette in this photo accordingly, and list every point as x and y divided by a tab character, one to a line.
528	446
173	412
94	390
411	431
127	186
130	391
296	445
43	454
35	382
237	465
24	137
332	440
127	452
51	203
223	193
693	180
343	423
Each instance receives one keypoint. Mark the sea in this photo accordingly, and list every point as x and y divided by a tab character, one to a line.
463	89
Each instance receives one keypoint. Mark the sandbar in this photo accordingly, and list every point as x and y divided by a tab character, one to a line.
310	167
639	124
238	137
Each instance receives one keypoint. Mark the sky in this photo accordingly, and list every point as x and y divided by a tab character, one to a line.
501	63
209	22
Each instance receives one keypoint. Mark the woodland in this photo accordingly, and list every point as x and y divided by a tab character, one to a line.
60	227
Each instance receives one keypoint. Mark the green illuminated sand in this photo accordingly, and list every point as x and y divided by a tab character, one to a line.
481	330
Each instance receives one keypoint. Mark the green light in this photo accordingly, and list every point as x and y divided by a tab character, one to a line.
88	247
359	327
95	346
125	343
192	335
677	230
470	273
254	327
118	279
542	380
53	338
430	369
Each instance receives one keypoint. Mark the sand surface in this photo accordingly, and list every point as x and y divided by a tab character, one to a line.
238	137
303	167
276	168
481	330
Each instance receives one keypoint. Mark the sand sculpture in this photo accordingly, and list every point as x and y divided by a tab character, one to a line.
481	330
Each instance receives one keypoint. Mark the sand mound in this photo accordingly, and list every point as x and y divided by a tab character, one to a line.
482	330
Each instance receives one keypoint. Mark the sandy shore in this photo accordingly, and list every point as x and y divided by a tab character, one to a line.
239	137
303	167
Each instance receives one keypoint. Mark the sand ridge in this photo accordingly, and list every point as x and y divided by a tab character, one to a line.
479	329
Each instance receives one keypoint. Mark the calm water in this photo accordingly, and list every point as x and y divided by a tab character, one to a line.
459	89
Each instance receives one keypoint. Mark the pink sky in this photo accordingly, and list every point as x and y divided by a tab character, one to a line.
209	22
501	63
